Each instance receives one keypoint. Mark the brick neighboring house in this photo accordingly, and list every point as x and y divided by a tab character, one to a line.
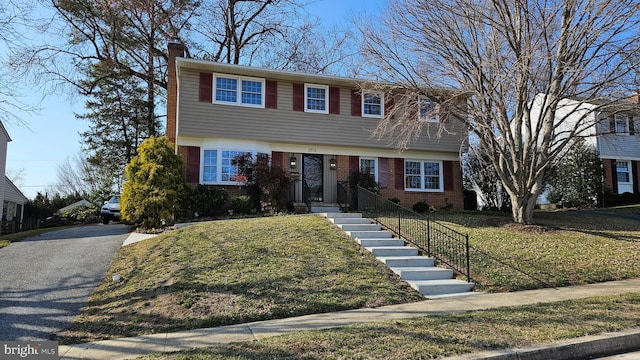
315	127
616	137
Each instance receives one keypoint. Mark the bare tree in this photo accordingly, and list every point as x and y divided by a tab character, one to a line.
309	48
14	16
500	54
233	30
77	176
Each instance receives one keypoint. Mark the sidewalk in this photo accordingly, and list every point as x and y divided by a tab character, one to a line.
127	348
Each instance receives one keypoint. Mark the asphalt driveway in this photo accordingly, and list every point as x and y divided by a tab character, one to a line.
46	280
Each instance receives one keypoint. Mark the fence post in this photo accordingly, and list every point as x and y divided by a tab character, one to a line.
399	222
468	259
429	236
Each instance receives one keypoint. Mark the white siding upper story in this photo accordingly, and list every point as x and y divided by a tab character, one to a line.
595	127
619	145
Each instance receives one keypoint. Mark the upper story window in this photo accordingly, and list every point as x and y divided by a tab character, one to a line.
372	104
429	110
316	98
621	123
423	175
369	166
235	90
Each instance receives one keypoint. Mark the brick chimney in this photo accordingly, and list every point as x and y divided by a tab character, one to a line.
176	49
634	98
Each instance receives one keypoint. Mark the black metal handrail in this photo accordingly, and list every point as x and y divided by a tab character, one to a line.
437	240
306	194
343	195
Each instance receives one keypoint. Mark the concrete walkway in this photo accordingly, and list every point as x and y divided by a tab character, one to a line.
127	348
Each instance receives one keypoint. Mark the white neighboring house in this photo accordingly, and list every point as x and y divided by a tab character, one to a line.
614	136
11	197
14	200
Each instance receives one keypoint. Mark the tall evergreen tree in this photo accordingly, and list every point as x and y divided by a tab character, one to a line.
119	120
576	176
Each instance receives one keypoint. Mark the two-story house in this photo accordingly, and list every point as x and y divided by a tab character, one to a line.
315	127
611	129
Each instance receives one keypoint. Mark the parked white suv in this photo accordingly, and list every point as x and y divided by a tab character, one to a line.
110	210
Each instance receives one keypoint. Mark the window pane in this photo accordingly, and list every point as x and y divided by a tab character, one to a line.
226	89
210	165
251	92
412	175
623	171
432	175
372	104
316	99
428	110
621	124
368	166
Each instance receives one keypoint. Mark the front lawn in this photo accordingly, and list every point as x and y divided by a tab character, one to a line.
235	271
238	271
566	248
627	209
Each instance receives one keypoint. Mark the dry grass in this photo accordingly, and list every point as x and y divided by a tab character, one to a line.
239	271
230	272
439	336
565	248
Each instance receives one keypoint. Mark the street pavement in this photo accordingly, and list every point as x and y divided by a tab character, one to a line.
47	279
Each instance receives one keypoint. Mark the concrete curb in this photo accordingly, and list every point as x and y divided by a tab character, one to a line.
587	347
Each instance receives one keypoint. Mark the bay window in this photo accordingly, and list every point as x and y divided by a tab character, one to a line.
218	167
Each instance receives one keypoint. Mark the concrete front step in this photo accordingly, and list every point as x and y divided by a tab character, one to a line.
349	220
441	287
380	242
368	234
359	227
407	261
391	251
336	215
418	271
423	273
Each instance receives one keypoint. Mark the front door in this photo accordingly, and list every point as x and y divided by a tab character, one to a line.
312	174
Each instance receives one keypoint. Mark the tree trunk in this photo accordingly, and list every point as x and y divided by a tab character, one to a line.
522	208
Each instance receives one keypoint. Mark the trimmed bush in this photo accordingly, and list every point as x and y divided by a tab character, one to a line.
242	205
207	200
422	207
155	187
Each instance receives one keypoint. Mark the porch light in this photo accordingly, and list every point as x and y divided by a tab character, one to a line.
293	162
332	163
